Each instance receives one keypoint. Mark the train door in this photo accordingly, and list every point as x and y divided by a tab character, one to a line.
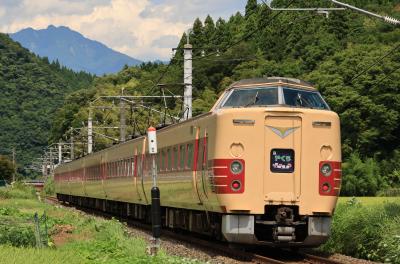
282	172
200	172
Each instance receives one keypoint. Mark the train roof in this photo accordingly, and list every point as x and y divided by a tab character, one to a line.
269	81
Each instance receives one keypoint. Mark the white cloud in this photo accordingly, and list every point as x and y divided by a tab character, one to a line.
143	29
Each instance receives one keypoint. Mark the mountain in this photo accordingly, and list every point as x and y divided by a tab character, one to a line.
31	89
73	50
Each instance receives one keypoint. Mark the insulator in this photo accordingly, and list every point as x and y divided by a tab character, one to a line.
391	20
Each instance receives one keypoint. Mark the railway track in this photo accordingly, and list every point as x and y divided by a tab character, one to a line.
278	256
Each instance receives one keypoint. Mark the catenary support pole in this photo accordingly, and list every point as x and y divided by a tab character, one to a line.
187	80
90	131
122	121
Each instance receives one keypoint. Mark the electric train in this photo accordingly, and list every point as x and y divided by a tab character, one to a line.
263	166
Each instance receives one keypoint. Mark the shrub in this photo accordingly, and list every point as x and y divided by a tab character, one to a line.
18	191
49	188
366	232
361	178
17	235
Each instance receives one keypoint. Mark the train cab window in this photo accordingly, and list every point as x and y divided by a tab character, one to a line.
303	98
252	97
189	163
182	157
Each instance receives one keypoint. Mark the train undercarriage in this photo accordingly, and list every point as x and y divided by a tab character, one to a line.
279	226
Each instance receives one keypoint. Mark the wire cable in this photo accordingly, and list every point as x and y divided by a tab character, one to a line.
390	52
245	37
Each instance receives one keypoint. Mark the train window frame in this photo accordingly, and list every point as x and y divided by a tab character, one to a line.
252	104
175	157
169	159
281	97
182	160
190	156
316	92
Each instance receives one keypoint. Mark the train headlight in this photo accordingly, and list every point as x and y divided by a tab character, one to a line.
326	170
236	167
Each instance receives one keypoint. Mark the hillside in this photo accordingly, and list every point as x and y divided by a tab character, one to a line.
73	50
31	91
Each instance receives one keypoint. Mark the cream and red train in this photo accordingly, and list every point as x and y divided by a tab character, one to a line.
262	167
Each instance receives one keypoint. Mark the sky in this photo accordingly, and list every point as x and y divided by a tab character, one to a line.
143	29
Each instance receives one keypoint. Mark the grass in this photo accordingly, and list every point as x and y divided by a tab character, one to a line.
370	201
73	236
367	227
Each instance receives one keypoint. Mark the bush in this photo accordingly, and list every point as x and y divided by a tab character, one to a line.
18	191
17	235
49	188
366	232
361	178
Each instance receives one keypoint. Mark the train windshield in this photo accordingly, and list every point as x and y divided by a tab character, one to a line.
258	97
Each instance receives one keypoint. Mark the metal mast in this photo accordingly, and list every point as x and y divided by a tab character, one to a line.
122	120
90	131
187	79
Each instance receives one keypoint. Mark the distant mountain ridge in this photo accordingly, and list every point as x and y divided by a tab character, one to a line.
73	50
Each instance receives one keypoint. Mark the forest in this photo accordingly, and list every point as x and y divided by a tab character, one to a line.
32	89
352	59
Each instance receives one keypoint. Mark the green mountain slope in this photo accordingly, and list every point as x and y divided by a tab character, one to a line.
31	90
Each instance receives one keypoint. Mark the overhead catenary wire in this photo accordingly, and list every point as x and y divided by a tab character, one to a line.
368	68
246	37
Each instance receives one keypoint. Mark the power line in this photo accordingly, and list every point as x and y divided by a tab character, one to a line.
375	63
245	37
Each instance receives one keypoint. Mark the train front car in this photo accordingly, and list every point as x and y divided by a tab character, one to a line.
277	163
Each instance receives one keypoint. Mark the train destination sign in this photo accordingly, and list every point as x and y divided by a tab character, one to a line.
282	160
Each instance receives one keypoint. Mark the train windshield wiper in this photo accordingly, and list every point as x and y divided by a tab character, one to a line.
256	98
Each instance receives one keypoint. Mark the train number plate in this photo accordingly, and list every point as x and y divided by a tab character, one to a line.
282	160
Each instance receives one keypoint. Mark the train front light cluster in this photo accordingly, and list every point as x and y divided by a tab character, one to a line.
228	176
330	173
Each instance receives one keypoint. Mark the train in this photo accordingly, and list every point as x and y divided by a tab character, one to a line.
262	167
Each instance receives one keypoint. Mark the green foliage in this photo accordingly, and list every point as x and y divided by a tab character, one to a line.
91	239
17	191
32	89
361	178
366	232
49	187
6	169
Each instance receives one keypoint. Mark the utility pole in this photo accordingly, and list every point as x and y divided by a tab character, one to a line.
90	131
187	79
14	164
122	120
59	153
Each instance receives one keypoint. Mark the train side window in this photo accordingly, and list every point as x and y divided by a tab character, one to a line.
190	156
169	156
175	159
162	160
182	157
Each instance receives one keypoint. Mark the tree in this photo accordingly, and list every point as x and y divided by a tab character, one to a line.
6	169
251	8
